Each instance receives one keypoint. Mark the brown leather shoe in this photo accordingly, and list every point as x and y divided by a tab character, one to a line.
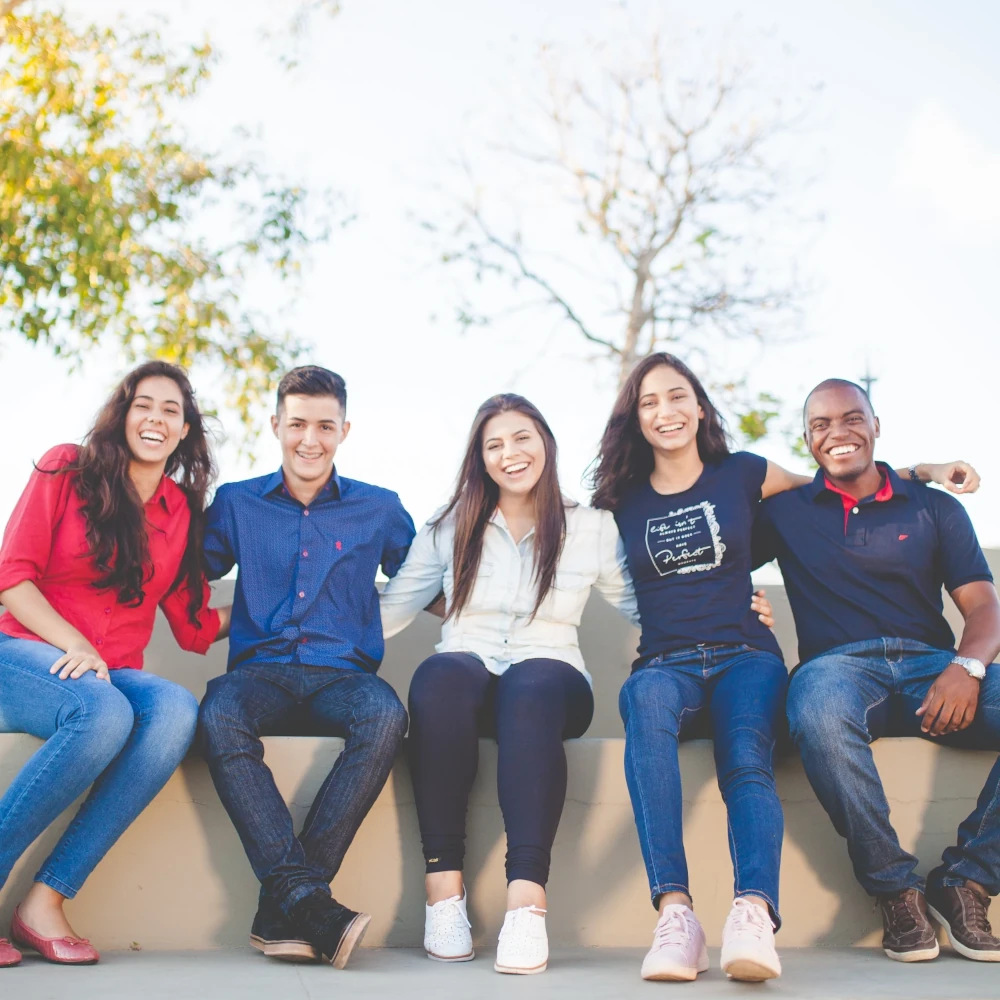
909	935
962	912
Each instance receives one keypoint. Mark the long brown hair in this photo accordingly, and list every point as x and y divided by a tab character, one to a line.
475	500
625	458
116	521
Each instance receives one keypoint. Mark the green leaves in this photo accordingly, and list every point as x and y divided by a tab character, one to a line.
103	202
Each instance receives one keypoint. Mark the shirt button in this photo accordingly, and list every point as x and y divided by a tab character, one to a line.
302	593
302	640
305	552
854	511
107	611
100	642
305	513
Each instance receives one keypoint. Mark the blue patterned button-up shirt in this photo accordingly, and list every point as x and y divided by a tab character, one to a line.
305	589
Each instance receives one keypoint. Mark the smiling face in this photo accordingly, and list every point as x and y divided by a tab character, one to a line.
513	452
668	410
154	423
841	431
309	429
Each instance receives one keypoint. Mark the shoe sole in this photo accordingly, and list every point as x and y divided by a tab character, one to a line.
286	950
352	937
451	958
511	970
749	971
676	975
924	955
963	949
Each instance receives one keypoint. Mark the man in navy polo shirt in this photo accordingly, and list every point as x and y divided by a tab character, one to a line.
304	647
864	555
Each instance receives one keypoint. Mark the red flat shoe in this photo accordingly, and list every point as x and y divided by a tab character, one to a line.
61	950
9	955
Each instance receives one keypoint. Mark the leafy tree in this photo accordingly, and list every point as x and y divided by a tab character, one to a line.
668	175
115	229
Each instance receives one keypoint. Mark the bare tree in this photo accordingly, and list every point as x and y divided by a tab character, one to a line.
674	189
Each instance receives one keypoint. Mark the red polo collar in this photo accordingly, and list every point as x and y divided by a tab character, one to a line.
883	493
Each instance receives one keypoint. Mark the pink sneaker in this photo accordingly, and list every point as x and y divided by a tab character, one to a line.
679	952
748	944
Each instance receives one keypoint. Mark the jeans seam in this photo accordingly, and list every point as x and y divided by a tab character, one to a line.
645	820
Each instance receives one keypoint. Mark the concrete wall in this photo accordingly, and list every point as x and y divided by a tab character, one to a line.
179	879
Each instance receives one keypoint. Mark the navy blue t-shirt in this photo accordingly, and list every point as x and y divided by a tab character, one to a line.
690	557
869	571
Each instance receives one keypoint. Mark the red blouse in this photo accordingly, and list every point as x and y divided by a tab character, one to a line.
46	542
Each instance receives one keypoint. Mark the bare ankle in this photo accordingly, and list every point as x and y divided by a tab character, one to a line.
521	893
674	899
443	885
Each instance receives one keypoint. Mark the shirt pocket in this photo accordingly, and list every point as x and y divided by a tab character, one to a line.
565	601
484	591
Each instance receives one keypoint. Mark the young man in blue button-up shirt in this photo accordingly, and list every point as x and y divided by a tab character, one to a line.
864	555
305	645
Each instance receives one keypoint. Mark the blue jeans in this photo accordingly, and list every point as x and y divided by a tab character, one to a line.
124	738
742	693
842	701
259	699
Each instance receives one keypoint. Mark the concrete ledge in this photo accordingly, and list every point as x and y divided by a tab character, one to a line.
178	878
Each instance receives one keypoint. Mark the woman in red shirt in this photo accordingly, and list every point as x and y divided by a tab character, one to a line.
102	535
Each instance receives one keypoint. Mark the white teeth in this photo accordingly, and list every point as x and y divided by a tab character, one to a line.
666	428
155	438
518	467
843	449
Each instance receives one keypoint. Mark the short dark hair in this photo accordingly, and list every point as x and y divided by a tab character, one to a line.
311	380
837	383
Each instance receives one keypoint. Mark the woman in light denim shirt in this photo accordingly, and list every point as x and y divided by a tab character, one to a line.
516	561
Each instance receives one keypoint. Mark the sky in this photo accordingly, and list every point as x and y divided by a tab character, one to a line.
904	143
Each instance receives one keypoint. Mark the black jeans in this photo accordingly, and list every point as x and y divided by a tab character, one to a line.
292	700
531	709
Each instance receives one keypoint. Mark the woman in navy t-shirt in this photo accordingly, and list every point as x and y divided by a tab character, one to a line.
685	506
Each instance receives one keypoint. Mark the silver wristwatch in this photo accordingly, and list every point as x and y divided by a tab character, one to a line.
972	666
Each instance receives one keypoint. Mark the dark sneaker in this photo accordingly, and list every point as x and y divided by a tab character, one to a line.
962	912
909	935
333	930
272	934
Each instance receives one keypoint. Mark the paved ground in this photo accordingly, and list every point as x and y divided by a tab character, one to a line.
580	974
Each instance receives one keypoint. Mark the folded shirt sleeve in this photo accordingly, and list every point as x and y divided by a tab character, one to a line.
27	540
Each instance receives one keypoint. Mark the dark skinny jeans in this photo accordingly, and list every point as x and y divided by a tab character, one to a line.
530	709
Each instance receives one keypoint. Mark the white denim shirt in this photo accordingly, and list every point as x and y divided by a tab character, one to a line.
496	624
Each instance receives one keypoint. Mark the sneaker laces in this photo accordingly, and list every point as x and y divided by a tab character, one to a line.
746	917
902	909
978	916
671	929
444	913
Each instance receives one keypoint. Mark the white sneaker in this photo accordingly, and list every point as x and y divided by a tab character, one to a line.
748	944
679	951
523	948
447	931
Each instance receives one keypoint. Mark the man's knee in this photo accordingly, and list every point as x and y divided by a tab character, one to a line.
222	718
379	707
820	715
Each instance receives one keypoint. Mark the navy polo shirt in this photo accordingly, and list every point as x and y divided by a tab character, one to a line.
870	570
305	592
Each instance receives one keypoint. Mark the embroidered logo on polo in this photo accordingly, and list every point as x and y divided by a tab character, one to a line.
685	540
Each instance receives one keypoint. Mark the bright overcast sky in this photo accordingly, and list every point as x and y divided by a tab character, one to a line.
906	262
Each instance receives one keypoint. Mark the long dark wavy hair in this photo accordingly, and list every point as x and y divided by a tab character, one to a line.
475	500
116	521
625	458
